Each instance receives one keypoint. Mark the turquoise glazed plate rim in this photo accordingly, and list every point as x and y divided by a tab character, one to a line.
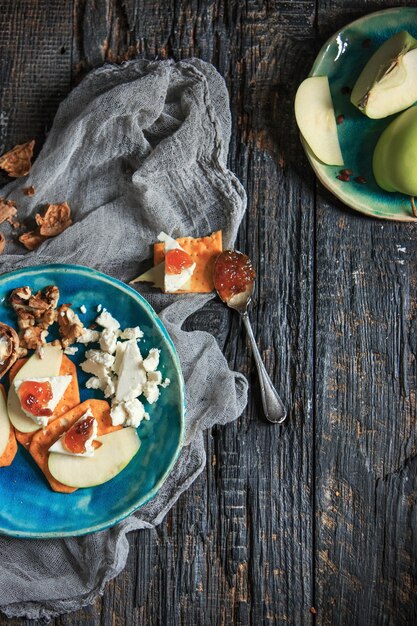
28	507
342	58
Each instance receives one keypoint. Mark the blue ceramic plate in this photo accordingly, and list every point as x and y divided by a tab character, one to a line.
342	59
28	507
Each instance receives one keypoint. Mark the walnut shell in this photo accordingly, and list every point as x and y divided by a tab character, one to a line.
9	347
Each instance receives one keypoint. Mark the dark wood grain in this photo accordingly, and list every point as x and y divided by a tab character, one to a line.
366	439
313	522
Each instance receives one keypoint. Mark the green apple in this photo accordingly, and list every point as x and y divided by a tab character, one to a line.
117	450
4	424
395	156
35	367
388	82
315	118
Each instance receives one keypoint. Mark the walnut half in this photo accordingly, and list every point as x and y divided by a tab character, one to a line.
70	325
35	313
9	347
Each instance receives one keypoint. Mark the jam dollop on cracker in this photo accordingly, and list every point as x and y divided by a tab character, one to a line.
202	251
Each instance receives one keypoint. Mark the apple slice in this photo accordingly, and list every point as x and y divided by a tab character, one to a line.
35	367
117	450
5	425
388	82
315	117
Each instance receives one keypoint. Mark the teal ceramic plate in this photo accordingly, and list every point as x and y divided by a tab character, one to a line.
342	59
28	507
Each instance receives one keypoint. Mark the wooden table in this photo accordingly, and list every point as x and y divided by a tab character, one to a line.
313	522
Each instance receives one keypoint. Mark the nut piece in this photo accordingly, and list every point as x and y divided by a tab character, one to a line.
31	240
70	325
17	162
33	338
35	313
7	210
2	243
9	347
29	191
55	220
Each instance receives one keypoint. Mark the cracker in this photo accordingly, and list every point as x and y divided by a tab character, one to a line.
204	252
11	448
43	439
70	398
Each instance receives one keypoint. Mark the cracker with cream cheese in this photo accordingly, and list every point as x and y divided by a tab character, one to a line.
70	398
203	252
43	439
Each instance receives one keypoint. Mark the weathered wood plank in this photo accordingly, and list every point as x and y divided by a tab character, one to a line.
35	69
365	430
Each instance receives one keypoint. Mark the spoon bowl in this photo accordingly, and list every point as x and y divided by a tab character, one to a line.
234	281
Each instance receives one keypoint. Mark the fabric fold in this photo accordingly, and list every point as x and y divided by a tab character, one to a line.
134	149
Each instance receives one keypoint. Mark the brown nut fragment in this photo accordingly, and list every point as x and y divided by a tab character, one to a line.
31	240
17	162
70	325
25	319
2	243
29	191
33	337
55	220
9	347
35	313
7	210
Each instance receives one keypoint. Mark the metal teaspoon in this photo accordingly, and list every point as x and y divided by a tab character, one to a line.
234	281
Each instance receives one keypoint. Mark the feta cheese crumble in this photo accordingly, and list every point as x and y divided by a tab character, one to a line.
119	370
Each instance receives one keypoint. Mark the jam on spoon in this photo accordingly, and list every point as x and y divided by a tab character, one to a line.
234	279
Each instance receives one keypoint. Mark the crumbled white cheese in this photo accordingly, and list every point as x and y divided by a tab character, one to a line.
152	360
131	374
108	340
106	320
89	336
93	383
151	392
118	414
70	350
154	377
109	386
100	357
118	357
166	383
83	309
131	333
135	412
92	367
119	370
128	413
99	307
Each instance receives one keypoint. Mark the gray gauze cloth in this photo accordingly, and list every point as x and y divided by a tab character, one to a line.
134	149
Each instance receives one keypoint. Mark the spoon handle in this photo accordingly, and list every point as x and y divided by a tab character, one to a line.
272	404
